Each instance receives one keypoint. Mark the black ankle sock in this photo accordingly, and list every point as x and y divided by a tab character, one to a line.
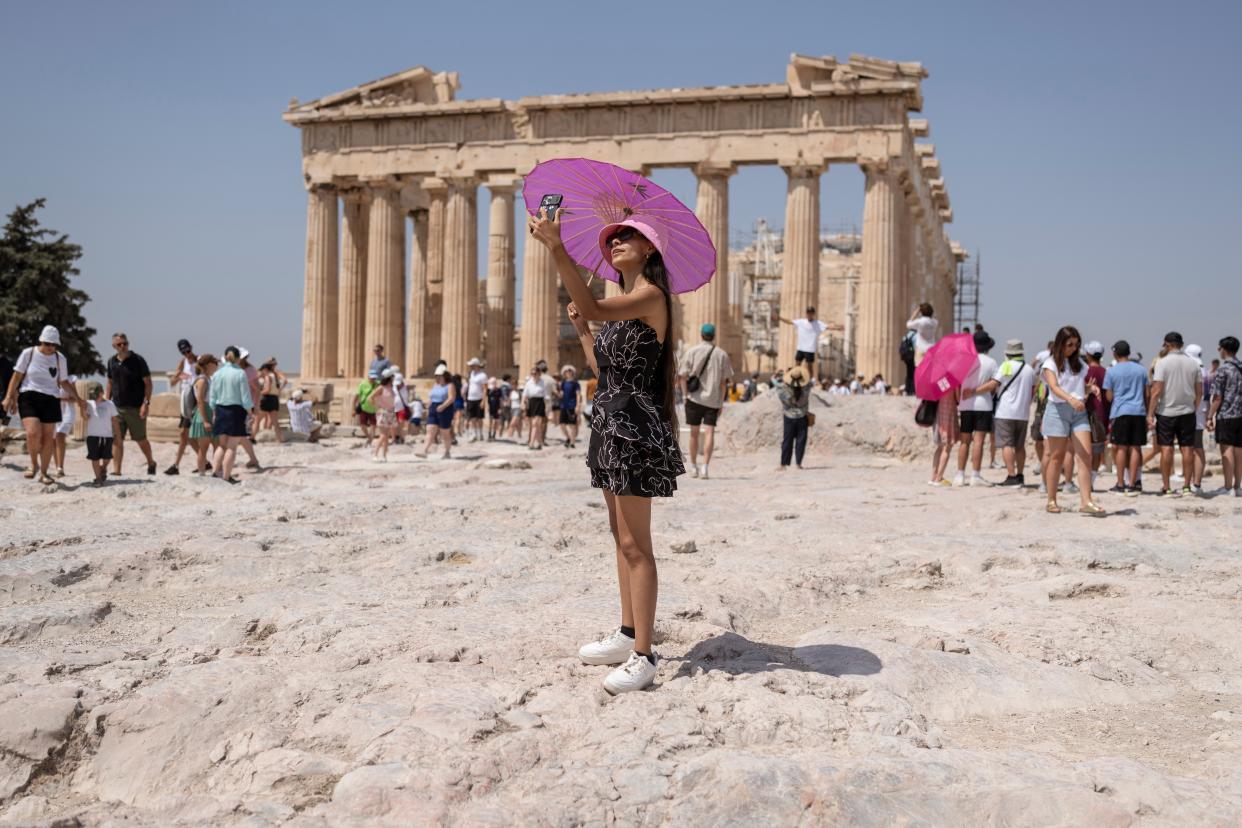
627	631
650	658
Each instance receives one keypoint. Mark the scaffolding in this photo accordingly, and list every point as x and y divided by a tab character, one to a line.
967	300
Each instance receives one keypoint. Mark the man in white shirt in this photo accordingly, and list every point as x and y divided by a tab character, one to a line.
975	413
1014	381
301	418
809	328
476	395
1176	391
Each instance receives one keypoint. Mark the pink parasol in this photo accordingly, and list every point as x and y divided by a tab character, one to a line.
597	195
945	365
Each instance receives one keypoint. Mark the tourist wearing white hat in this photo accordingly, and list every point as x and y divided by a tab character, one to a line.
384	398
252	377
1015	381
39	377
476	396
440	412
301	419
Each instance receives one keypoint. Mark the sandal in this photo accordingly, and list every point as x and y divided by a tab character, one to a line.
46	480
1052	508
29	474
1092	510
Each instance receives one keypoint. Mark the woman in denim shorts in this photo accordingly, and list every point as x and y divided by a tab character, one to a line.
1065	424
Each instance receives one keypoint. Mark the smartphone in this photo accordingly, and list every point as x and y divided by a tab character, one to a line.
550	203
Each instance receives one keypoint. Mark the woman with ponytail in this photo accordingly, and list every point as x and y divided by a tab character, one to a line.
633	453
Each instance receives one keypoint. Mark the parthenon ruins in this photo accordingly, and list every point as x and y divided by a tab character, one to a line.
404	146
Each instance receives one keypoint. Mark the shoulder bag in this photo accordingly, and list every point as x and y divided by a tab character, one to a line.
692	382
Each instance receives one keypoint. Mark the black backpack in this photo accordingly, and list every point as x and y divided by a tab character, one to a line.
906	348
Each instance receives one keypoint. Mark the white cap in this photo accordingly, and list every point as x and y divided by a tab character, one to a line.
1195	351
441	370
473	361
297	393
387	372
398	378
1094	348
396	369
1042	357
242	353
50	335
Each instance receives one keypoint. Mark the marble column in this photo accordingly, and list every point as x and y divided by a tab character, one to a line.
459	333
879	329
353	353
437	194
540	309
385	315
319	297
710	303
417	361
800	270
501	277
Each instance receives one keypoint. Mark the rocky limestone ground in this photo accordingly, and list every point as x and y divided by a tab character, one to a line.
342	643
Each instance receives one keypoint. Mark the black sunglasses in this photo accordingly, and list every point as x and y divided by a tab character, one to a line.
622	235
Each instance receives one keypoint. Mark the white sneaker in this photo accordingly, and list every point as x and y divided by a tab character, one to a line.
1095	475
1043	487
977	480
703	471
1069	488
694	469
996	464
959	479
612	649
635	674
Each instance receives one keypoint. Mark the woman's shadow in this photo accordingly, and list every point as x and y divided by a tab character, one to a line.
735	654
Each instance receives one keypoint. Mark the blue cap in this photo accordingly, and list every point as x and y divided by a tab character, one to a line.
708	329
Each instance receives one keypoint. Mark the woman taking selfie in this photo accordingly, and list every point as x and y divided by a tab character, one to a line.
633	454
1065	423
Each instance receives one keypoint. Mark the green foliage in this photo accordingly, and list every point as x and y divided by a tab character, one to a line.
36	265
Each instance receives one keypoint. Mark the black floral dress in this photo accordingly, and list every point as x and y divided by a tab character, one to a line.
632	451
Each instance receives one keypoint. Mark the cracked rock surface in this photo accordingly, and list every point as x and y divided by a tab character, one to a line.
341	643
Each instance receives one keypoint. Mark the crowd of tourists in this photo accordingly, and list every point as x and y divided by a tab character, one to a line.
1074	407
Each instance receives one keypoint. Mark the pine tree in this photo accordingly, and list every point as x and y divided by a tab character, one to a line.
36	266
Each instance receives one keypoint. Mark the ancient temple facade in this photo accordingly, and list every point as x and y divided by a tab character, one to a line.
393	171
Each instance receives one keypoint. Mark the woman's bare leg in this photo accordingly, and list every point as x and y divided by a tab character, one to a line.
623	571
1082	452
634	532
60	440
1054	455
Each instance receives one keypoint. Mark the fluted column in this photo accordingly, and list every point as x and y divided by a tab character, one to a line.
459	333
385	317
540	311
878	326
319	296
501	277
352	350
417	362
710	303
437	194
800	270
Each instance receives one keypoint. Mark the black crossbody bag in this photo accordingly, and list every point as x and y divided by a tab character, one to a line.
692	382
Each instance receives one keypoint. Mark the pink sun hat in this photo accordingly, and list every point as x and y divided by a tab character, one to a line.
649	232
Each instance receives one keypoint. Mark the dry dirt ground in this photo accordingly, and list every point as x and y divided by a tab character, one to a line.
337	642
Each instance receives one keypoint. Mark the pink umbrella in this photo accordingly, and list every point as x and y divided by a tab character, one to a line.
598	194
945	366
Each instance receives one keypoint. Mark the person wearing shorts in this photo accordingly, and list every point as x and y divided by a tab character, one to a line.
230	402
535	393
364	409
34	392
129	388
1125	388
1015	382
440	412
712	371
63	429
1176	390
808	330
1225	414
102	426
976	409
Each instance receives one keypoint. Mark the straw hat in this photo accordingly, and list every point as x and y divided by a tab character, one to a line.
797	374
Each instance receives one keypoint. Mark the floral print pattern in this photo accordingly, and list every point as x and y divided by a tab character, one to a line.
632	451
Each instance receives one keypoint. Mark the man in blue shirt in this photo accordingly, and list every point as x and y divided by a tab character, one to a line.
1126	387
380	362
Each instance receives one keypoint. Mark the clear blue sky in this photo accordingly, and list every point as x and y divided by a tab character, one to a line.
1090	149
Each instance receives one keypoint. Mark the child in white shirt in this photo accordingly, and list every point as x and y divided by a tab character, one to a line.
102	427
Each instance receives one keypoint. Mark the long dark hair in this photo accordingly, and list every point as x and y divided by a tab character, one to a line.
656	273
1058	346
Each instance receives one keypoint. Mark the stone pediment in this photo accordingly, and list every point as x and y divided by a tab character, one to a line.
413	86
